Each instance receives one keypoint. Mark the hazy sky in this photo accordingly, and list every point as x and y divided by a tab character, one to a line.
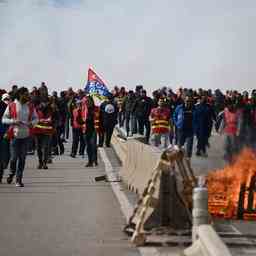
199	43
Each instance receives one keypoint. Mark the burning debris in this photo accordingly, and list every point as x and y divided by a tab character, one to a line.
232	190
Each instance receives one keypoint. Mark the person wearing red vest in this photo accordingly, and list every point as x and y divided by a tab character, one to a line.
230	127
160	124
78	126
21	117
43	131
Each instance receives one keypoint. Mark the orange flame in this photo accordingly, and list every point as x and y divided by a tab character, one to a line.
224	187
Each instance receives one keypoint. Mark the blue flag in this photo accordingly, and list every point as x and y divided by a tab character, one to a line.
95	86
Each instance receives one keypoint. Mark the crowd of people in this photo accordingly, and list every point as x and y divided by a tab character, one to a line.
177	118
34	121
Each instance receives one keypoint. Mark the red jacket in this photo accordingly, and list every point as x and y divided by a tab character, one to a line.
79	118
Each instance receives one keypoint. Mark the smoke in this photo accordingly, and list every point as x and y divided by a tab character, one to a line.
195	44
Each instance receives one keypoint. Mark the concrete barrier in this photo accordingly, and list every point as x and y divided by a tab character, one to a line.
120	146
207	244
139	163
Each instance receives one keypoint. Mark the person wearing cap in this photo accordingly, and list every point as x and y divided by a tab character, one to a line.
160	124
142	109
78	123
4	143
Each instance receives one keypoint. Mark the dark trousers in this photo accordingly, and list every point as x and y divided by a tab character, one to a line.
144	124
121	118
127	122
106	136
77	138
187	138
134	124
57	143
202	140
4	155
42	144
67	124
18	149
91	143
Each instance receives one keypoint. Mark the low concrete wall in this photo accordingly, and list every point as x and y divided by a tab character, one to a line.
138	162
120	146
207	244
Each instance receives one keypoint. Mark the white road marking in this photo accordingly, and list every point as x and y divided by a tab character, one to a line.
126	206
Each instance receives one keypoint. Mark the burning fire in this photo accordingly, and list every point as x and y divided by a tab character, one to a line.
232	191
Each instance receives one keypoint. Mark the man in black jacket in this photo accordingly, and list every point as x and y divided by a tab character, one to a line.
108	119
142	109
128	106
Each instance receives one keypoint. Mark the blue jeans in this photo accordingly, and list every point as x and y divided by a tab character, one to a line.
185	138
18	150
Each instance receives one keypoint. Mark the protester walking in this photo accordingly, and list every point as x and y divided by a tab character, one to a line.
183	118
142	109
77	129
160	124
128	106
21	117
4	143
43	131
230	127
108	120
90	134
202	124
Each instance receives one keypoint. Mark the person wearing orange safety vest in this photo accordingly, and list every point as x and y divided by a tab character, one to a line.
230	127
97	124
21	117
78	127
160	124
42	132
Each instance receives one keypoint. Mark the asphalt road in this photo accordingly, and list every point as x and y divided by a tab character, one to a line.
62	211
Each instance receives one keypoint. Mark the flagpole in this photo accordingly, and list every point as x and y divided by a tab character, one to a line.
83	81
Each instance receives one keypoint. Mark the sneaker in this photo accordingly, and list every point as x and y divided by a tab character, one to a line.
204	155
19	184
198	153
49	161
45	167
73	156
10	179
89	165
40	166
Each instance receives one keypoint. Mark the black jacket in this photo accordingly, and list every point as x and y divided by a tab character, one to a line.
143	107
108	114
128	104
